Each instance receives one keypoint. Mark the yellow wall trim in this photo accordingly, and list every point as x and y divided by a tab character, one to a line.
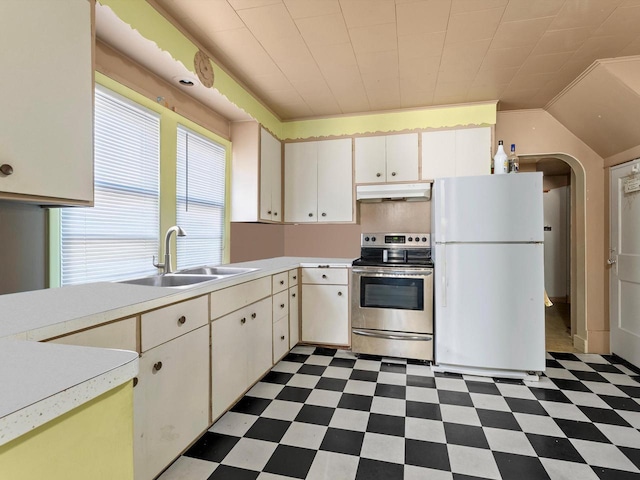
482	114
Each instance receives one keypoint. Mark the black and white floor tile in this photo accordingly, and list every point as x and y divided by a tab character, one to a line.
326	414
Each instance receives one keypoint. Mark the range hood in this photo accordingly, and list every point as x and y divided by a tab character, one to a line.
397	191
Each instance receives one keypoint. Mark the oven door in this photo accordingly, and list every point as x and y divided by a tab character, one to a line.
392	298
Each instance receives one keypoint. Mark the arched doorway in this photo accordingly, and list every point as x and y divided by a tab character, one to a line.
565	255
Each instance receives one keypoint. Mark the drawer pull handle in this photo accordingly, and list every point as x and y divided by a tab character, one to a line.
275	214
324	214
281	282
378	174
339	294
6	169
243	320
282	305
324	276
293	295
393	174
282	337
182	320
157	366
253	315
295	277
268	212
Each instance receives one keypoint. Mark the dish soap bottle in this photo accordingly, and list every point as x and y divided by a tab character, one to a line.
500	160
514	161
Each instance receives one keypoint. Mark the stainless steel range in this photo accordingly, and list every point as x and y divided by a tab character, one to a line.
392	296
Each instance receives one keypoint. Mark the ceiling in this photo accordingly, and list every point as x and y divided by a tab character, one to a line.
309	58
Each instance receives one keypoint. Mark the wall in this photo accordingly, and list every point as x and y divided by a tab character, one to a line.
24	246
537	133
254	241
251	241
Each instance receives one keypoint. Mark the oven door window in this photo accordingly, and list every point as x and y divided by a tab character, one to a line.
392	293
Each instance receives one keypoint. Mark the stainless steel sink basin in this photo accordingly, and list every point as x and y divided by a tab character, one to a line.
219	271
171	280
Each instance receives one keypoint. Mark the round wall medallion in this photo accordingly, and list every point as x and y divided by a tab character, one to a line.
203	67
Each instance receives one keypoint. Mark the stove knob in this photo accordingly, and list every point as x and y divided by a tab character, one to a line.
373	239
424	239
366	239
411	239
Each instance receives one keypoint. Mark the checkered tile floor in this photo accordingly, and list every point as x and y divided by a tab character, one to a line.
325	414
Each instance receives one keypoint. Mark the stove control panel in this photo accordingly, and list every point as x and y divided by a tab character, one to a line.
396	240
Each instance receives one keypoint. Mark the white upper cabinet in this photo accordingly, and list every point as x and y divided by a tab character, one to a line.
319	181
388	158
301	182
456	153
270	177
335	181
256	188
46	119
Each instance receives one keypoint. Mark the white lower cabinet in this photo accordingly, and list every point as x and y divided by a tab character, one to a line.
171	401
280	339
294	319
240	352
325	306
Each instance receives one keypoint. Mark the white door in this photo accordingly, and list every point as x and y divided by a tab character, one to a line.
270	177
490	306
625	258
402	157
555	242
473	151
438	154
488	208
370	159
301	182
335	184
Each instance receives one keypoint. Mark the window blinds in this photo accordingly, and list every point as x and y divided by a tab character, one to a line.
117	238
200	192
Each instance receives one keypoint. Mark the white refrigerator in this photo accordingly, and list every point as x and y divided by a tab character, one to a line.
487	234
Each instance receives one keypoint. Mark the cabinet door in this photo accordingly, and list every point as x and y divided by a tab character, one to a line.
473	151
335	181
171	401
325	314
370	153
270	177
229	360
438	154
280	339
402	157
46	122
301	182
258	349
294	319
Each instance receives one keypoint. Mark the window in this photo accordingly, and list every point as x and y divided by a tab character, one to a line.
200	202
117	238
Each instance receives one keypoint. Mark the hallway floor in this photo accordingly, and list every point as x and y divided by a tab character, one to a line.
558	328
325	414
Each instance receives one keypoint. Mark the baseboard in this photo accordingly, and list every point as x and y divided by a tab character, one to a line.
580	343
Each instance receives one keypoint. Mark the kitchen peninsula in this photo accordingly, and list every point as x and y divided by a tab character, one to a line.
44	381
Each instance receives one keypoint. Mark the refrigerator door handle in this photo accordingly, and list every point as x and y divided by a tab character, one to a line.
444	274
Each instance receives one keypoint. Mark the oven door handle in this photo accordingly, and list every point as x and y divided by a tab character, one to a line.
387	336
392	271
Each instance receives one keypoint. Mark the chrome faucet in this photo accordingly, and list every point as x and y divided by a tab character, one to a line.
166	266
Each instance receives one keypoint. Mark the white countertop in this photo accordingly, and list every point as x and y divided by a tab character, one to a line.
40	381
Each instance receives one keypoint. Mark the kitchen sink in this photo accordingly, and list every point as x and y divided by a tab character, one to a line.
171	280
219	271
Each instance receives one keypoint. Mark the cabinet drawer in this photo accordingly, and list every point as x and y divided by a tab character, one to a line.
280	305
280	339
293	277
162	325
330	276
280	282
121	335
230	299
